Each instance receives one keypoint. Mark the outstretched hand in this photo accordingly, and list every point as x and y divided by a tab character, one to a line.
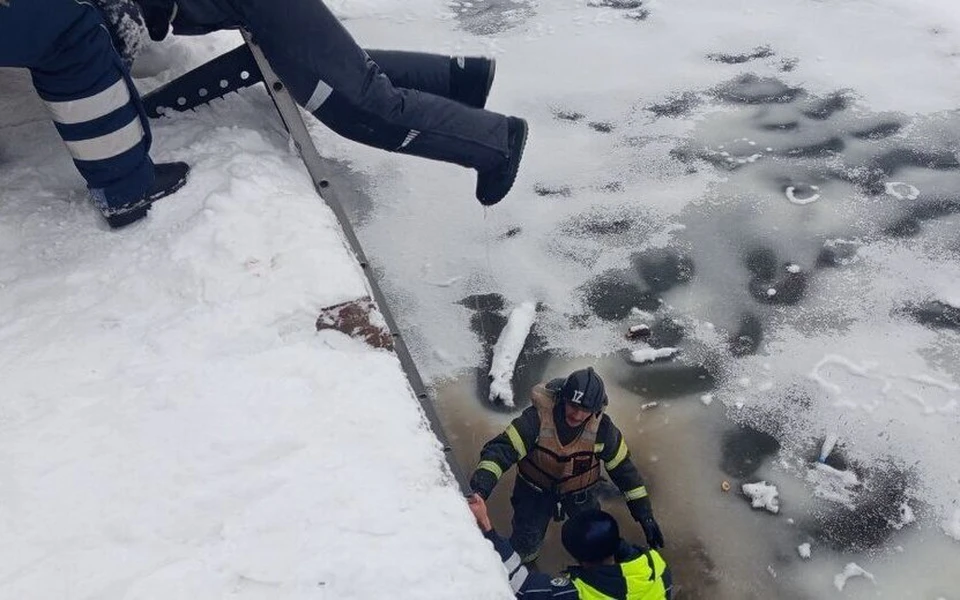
652	532
479	509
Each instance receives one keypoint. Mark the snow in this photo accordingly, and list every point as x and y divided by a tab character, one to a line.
762	495
173	426
792	196
907	516
850	570
833	484
507	350
902	190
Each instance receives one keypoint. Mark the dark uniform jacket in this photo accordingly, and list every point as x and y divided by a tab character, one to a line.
511	446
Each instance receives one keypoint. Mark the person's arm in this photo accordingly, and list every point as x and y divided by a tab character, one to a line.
624	474
525	585
503	451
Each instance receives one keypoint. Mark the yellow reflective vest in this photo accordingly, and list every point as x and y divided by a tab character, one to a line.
643	576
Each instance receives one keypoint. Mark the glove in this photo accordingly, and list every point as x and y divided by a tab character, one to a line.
124	20
158	15
652	531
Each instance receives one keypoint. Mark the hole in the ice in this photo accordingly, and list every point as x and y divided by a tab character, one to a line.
744	449
611	296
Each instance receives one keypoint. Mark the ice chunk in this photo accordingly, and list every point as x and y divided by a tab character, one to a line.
507	350
951	526
828	443
851	570
804	551
901	190
648	354
763	495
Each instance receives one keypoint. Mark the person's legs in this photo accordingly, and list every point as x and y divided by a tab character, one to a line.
532	511
336	80
574	504
78	75
466	79
94	105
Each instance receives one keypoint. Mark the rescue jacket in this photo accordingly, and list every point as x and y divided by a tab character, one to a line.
522	437
553	466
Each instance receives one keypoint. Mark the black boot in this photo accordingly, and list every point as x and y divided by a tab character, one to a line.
471	79
493	184
170	177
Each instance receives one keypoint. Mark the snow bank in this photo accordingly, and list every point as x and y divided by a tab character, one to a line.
173	425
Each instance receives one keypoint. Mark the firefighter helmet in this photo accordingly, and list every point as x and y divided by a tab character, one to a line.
584	388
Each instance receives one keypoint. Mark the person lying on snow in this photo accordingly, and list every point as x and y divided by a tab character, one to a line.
608	567
412	103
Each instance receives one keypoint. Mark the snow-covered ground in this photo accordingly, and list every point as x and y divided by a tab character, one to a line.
773	182
171	424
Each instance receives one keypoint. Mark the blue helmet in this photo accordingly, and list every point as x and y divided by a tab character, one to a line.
584	388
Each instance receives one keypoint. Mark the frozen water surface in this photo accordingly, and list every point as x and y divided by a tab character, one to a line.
774	188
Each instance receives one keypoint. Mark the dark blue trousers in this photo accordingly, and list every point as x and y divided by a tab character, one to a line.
81	78
390	100
533	510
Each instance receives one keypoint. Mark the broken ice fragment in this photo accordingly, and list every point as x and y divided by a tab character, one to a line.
648	354
763	495
851	570
507	350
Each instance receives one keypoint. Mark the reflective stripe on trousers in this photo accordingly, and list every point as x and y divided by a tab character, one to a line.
80	77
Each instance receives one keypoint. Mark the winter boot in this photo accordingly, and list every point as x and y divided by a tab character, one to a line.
493	184
170	177
471	79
